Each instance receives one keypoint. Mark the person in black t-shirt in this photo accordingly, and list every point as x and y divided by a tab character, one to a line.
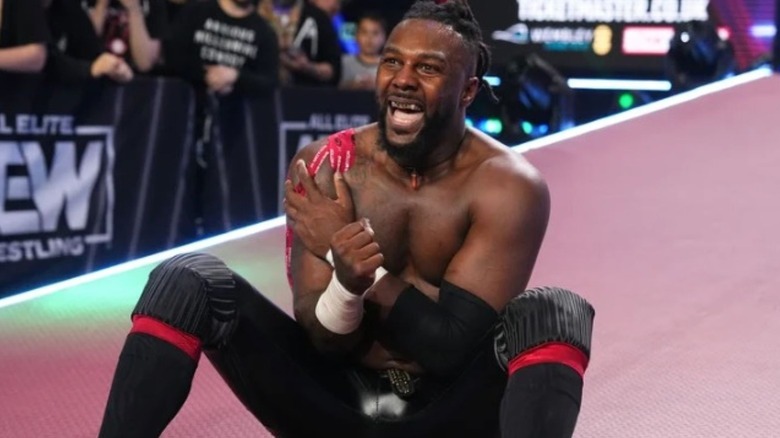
23	36
220	44
112	20
76	52
310	48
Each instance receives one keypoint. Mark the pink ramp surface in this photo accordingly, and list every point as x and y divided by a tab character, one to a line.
666	223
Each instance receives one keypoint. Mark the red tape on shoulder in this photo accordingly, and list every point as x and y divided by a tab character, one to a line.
185	342
553	352
340	151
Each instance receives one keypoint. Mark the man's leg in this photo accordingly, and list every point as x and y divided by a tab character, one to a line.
544	342
193	302
172	319
276	372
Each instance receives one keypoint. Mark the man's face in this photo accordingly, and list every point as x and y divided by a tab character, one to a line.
370	37
420	82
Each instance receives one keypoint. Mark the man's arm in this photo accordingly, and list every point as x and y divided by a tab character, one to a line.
263	78
509	221
326	66
29	58
509	218
144	49
97	15
311	273
30	33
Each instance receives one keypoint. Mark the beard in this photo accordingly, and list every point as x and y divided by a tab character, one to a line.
416	152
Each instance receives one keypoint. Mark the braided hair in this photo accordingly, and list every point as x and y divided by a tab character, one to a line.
458	15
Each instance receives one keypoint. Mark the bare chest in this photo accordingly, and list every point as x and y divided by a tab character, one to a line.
419	231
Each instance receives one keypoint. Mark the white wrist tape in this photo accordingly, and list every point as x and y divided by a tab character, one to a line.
329	258
338	309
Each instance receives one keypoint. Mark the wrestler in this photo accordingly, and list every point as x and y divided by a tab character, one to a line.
410	243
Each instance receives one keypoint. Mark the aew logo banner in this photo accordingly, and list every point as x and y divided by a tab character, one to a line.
56	187
91	176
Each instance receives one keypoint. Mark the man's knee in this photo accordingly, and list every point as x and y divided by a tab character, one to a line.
554	318
192	292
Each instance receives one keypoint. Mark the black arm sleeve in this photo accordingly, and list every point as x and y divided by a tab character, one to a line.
330	48
66	69
157	19
439	336
263	76
70	24
179	53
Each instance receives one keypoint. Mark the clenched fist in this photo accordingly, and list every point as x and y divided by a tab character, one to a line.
356	256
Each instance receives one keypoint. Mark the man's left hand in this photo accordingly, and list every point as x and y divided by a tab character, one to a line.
314	216
295	61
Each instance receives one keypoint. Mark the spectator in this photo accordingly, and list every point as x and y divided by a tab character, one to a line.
310	49
345	31
113	18
23	36
359	71
222	45
76	52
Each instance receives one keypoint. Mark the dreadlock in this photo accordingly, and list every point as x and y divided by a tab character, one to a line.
458	15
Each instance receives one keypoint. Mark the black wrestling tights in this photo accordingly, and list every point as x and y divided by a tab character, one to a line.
541	401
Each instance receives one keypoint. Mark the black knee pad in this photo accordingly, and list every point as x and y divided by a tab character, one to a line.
195	293
542	315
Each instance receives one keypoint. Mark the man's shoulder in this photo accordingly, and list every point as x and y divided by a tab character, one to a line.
347	139
349	60
502	164
308	152
503	172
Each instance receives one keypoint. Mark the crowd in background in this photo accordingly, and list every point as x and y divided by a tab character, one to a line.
223	46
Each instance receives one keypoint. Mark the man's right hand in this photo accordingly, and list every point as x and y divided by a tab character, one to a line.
313	216
356	256
112	66
220	79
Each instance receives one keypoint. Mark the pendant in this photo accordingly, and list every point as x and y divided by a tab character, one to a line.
415	180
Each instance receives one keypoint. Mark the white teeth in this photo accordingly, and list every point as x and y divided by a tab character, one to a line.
405	106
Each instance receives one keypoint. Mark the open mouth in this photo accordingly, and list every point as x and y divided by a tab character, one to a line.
405	116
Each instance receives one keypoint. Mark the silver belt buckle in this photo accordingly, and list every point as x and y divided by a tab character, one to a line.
401	381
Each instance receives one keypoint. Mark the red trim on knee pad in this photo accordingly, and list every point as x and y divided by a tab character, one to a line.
553	352
185	342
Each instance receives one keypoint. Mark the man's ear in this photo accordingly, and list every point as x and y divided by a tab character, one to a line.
470	91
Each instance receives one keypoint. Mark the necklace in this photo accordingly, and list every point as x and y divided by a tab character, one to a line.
415	174
415	179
